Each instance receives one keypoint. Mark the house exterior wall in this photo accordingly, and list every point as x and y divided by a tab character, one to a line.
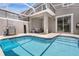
19	26
35	23
73	9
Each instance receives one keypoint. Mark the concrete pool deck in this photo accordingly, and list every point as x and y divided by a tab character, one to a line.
50	35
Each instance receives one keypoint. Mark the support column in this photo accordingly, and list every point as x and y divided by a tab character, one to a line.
72	29
45	23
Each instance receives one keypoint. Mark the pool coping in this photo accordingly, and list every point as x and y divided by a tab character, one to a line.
51	35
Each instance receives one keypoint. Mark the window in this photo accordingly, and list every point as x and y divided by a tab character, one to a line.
64	23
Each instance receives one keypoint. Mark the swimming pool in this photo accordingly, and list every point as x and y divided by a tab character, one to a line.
36	46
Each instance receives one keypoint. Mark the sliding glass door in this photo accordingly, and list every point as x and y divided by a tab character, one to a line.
64	24
60	24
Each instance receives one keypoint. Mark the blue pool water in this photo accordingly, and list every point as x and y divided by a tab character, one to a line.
36	46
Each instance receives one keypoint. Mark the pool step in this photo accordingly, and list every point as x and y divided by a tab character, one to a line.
8	45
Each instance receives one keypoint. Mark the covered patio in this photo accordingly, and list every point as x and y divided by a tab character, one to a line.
40	22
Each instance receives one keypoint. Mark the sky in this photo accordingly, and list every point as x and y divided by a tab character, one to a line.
14	7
